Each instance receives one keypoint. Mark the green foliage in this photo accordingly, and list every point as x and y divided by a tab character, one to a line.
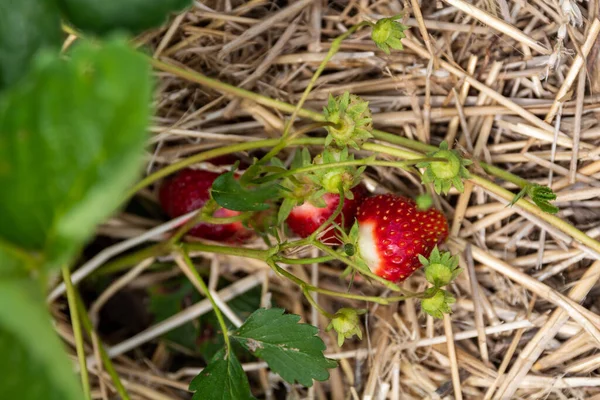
540	195
229	193
26	26
72	141
106	16
291	349
222	379
33	365
445	174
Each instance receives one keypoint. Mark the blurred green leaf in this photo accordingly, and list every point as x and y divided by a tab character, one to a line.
33	365
72	142
25	27
222	379
132	16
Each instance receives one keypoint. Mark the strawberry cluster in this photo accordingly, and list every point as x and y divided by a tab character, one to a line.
392	230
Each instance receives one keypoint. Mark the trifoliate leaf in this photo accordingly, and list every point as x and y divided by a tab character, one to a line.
291	349
222	379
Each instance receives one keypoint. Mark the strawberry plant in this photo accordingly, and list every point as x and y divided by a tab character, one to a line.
74	127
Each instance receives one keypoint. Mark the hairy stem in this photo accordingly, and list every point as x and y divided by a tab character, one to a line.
106	361
231	251
191	269
352	264
207	155
335	46
306	286
303	261
316	305
364	161
71	298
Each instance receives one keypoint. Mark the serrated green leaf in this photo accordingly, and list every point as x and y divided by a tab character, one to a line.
34	364
26	26
72	142
132	16
229	193
291	349
222	379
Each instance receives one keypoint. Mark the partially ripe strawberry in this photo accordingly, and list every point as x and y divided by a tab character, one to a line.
392	232
305	219
189	190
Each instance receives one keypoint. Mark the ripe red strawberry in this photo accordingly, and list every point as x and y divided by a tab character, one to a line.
393	232
188	191
305	219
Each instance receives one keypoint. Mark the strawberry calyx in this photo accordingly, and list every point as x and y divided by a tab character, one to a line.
445	174
441	268
387	34
346	323
350	121
438	302
337	179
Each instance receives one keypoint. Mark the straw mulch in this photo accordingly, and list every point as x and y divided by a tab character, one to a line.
517	330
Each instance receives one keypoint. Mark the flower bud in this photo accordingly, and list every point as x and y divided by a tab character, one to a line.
346	323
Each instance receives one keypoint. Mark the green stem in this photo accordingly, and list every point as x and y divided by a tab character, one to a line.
204	214
303	261
335	46
329	221
306	286
106	361
400	153
71	298
347	261
535	210
507	176
207	155
231	251
316	305
309	114
364	161
207	293
133	258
